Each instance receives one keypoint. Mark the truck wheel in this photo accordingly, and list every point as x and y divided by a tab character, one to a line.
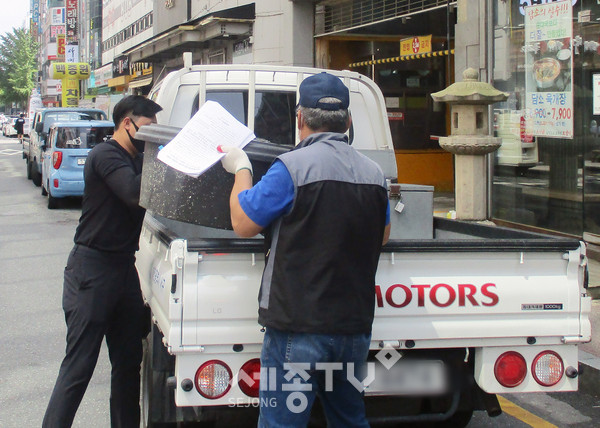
28	166
158	403
44	193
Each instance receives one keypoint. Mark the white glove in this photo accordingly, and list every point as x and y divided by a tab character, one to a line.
235	159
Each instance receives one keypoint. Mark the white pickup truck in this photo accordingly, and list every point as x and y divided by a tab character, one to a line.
463	311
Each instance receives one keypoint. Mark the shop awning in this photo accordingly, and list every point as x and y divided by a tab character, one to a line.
119	81
138	83
103	90
188	38
402	58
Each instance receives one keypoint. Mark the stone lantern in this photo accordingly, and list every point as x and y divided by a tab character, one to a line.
470	141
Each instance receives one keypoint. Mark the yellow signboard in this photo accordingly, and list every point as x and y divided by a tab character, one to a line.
70	70
415	45
70	93
61	43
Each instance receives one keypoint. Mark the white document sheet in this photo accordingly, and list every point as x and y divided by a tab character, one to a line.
194	148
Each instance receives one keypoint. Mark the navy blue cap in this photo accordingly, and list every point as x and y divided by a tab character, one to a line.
323	85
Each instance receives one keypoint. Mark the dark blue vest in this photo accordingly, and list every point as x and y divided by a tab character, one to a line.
320	271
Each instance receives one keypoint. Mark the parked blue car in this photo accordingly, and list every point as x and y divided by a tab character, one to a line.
43	120
64	156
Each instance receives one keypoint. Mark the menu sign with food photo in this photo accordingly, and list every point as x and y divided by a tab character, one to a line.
548	69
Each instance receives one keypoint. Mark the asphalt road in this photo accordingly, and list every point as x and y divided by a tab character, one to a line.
34	245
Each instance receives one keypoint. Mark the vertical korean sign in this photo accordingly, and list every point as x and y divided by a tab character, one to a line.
35	17
70	93
61	44
548	69
70	75
71	20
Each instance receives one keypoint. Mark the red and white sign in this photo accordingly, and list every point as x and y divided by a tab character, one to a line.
57	16
395	115
415	45
51	51
56	30
525	138
103	75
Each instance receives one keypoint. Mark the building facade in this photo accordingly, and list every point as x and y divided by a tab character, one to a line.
51	35
228	31
546	172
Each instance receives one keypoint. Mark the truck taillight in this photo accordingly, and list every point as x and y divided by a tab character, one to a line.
56	159
213	379
510	369
249	378
547	368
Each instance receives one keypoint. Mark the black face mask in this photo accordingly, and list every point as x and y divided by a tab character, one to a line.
137	143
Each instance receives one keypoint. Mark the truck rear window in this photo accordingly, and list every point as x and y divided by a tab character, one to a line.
274	112
275	116
81	137
235	103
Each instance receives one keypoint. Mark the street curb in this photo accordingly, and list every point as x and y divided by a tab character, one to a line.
589	380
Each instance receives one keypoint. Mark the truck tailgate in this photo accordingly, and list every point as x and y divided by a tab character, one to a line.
436	296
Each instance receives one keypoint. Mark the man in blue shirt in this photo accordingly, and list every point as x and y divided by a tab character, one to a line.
325	209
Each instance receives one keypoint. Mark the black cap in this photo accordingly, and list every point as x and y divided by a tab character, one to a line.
323	85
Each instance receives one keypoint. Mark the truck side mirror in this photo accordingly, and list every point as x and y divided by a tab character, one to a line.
39	127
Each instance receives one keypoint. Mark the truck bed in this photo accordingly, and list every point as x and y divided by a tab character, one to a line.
449	235
484	288
433	289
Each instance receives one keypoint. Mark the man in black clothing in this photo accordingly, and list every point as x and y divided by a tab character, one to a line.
19	123
101	294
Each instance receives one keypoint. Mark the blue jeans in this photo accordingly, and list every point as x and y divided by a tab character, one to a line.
293	373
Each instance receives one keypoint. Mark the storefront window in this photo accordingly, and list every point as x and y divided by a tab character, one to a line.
414	117
409	57
547	171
